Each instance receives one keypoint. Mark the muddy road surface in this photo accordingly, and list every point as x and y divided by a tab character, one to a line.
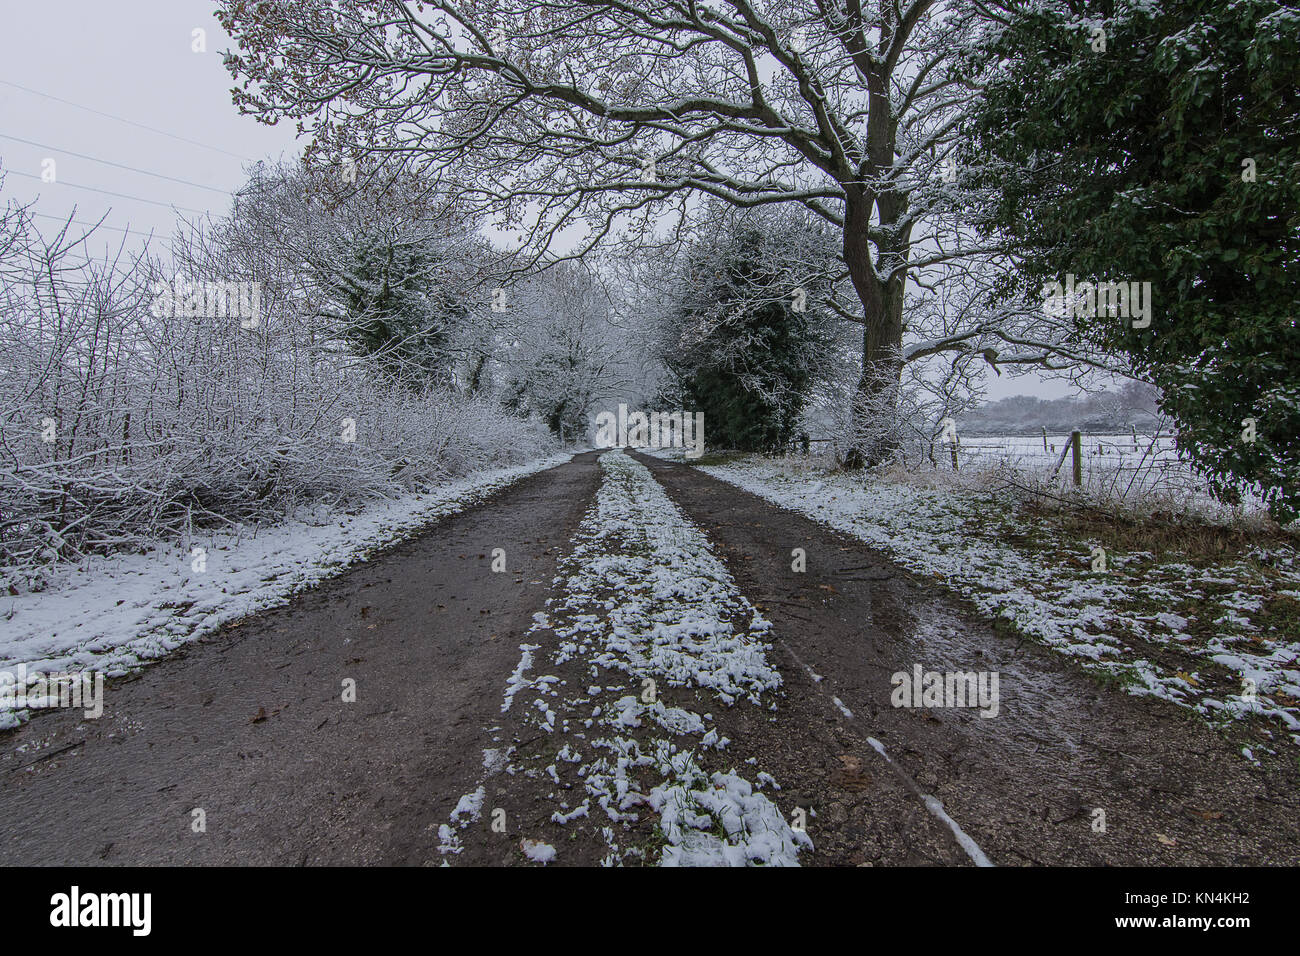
242	749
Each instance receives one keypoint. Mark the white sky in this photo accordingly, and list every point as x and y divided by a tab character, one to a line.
133	59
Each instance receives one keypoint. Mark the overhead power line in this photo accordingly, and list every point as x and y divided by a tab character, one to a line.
109	162
109	192
94	225
122	119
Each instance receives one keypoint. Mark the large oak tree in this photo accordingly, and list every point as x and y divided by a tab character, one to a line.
574	120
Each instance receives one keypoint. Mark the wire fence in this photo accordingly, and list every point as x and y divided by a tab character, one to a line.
1124	464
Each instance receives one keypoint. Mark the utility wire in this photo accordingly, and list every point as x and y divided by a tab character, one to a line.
109	162
121	119
93	225
109	192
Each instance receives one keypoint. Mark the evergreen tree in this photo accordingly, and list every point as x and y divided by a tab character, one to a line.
395	312
1141	141
742	347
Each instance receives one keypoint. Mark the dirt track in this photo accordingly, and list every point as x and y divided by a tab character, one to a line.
250	725
1024	784
426	630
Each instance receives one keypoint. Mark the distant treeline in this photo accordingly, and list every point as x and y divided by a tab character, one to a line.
1133	405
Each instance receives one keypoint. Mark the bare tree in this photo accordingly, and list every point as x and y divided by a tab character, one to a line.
125	417
561	357
394	270
617	115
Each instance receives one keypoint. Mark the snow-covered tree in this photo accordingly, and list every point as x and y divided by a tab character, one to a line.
394	270
131	412
562	357
574	122
744	335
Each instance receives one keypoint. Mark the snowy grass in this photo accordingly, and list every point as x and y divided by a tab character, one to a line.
112	614
1204	614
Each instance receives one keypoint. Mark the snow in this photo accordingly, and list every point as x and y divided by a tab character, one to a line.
537	851
572	815
517	679
689	810
932	804
448	840
666	615
966	843
1117	463
961	534
114	614
469	807
494	760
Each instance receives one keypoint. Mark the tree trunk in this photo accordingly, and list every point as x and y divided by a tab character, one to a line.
882	337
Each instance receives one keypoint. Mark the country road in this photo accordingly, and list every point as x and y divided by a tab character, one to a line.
488	704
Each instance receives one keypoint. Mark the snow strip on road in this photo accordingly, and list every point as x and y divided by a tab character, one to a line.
642	598
931	803
936	807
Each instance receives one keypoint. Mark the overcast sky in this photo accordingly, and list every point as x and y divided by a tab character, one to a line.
134	60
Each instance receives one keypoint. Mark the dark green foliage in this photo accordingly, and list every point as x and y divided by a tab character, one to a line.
395	311
1130	164
738	350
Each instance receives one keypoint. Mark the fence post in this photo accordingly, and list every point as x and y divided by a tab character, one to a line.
1044	438
1076	446
953	447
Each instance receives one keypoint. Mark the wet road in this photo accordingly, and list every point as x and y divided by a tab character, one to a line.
251	728
1026	784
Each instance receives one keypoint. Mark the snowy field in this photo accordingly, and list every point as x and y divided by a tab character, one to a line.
112	614
1117	465
1218	636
